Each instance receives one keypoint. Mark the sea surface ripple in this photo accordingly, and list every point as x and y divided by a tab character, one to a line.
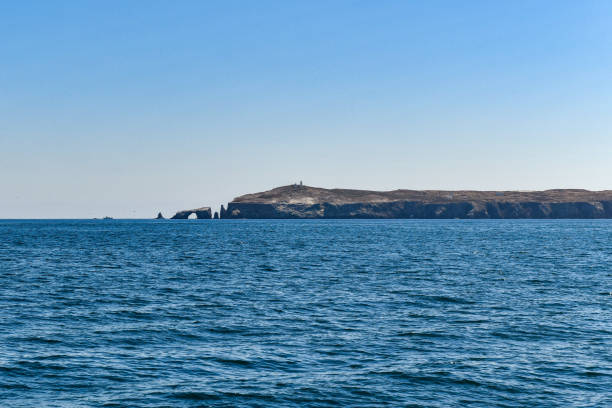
365	313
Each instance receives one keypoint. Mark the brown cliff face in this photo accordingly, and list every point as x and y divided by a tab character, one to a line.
297	201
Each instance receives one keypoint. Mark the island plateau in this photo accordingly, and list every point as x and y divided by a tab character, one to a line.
298	201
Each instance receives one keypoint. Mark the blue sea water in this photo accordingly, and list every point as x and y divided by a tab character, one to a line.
261	313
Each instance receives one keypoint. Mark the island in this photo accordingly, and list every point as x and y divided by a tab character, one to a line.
300	201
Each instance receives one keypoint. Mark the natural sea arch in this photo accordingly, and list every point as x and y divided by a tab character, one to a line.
203	213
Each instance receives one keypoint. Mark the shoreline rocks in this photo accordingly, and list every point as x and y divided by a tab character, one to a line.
411	209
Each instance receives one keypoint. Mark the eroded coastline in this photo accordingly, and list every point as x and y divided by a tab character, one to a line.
304	202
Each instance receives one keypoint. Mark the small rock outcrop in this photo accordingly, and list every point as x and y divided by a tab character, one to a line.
216	216
159	216
202	213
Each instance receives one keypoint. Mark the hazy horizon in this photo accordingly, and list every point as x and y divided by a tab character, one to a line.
126	109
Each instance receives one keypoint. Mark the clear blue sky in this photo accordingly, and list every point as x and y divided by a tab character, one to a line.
124	108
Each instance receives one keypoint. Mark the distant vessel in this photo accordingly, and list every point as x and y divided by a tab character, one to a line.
107	218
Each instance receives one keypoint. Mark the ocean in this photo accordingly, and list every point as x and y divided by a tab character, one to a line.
306	313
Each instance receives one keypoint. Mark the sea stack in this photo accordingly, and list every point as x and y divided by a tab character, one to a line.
159	216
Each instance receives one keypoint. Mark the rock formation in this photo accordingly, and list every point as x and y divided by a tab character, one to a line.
159	216
216	216
296	201
202	213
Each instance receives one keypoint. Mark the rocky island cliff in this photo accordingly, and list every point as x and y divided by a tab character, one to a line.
297	201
